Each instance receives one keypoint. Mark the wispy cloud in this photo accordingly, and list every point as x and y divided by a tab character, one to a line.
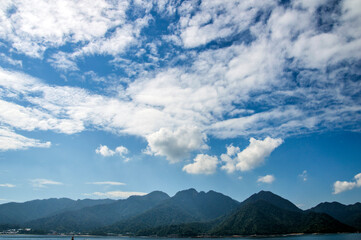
116	194
8	185
11	61
342	186
9	140
266	179
108	183
42	183
28	34
303	175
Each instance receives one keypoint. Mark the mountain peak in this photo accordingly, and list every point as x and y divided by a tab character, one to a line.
187	192
158	195
273	199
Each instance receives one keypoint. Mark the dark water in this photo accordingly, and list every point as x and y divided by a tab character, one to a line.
356	236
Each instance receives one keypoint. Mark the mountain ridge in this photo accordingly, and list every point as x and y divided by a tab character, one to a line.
188	213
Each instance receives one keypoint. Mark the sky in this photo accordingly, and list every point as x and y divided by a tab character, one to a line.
107	99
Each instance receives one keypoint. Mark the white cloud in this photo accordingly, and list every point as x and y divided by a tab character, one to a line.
217	20
211	91
176	145
42	183
341	186
116	194
63	61
8	185
121	150
203	164
256	152
229	159
9	140
266	179
24	27
232	150
303	175
251	157
11	61
111	183
106	152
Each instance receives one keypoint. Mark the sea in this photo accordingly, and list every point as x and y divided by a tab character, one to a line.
349	236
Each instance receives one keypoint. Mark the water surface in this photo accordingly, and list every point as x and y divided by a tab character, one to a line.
354	236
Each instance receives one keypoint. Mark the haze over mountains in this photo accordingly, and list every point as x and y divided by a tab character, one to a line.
187	213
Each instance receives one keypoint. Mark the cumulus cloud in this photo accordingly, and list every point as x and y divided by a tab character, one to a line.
8	185
342	186
251	157
43	183
116	194
111	183
106	152
176	145
266	179
203	164
256	152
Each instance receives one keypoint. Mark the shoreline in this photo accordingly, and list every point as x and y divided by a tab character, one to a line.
173	237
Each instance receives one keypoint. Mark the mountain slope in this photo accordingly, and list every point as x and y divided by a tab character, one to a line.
263	218
273	199
185	207
18	213
101	215
348	214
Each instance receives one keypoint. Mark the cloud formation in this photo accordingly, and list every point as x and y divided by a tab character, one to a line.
9	140
203	164
251	157
23	24
342	186
176	145
43	183
106	152
8	185
232	68
110	183
303	175
266	179
116	194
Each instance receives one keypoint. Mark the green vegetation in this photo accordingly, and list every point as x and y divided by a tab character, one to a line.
188	214
348	214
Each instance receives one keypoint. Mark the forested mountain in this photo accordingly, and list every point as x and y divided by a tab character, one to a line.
185	207
273	199
18	213
262	217
348	214
89	218
187	214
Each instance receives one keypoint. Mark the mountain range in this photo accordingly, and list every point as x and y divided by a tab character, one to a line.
187	213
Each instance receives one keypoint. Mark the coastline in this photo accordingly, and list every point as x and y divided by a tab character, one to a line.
84	236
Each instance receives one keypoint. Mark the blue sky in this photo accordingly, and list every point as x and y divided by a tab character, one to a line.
106	99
